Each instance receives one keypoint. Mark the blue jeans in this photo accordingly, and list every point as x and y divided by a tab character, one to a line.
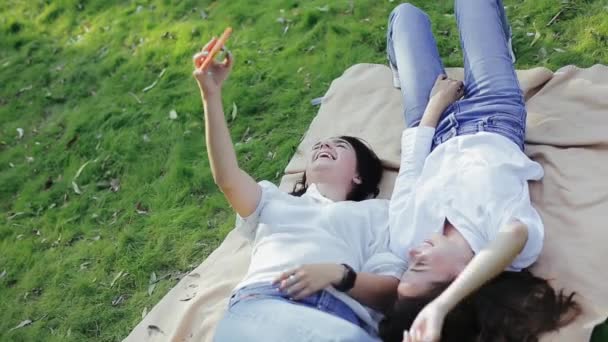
261	312
493	100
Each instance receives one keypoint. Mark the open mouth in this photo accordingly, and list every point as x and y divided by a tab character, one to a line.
325	154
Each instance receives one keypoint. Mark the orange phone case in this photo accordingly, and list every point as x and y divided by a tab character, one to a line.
215	48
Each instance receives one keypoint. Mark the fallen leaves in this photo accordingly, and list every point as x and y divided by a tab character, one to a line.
20	133
23	323
115	184
119	300
152	283
162	72
537	35
173	114
140	209
116	277
234	111
76	188
74	184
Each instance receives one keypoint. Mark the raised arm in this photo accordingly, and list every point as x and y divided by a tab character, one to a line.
486	264
239	188
416	143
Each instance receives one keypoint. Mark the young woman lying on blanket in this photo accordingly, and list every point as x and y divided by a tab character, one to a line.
460	213
320	253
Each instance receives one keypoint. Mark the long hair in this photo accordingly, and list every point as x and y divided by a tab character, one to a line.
369	168
513	307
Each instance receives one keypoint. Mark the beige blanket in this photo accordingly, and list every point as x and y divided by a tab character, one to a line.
567	134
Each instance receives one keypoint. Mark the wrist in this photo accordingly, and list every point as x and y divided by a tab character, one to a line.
444	303
338	274
208	94
347	281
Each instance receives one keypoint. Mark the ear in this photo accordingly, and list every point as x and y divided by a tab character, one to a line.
357	180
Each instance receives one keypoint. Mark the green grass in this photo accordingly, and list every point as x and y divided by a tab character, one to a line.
72	76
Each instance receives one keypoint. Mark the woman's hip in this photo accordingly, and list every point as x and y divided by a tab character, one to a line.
275	319
468	117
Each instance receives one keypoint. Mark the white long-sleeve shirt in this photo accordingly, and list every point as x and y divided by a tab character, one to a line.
288	231
477	182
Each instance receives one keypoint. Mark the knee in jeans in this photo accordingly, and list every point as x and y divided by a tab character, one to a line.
406	9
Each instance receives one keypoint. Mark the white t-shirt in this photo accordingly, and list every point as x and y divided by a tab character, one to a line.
477	182
288	231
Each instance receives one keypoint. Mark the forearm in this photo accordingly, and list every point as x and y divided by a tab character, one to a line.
487	264
222	157
431	115
376	291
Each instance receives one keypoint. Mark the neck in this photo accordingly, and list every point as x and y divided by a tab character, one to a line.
331	191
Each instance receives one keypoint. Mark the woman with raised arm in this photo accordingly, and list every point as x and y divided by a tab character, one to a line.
320	255
461	215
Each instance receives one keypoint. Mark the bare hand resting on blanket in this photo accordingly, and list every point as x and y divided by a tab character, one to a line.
445	92
308	279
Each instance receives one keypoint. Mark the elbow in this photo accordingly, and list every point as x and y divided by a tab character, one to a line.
226	180
222	181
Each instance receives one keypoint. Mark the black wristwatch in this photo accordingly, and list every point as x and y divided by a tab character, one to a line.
348	279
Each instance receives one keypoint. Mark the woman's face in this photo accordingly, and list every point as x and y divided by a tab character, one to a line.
333	160
437	260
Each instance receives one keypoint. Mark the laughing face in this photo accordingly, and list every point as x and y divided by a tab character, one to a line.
333	160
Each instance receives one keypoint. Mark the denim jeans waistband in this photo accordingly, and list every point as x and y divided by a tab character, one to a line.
322	300
497	123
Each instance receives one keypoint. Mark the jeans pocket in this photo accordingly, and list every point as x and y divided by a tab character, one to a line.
510	126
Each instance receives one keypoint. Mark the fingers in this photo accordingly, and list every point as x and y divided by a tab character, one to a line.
229	60
296	289
199	57
284	276
210	44
442	77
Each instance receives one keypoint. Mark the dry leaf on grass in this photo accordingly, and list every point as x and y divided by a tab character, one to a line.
76	188
140	209
536	35
80	170
173	114
19	133
23	323
116	278
119	300
234	111
152	283
162	72
115	184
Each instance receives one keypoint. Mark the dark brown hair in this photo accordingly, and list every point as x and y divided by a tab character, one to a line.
369	168
513	307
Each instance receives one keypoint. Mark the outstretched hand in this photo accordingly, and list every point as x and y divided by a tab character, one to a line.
211	78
